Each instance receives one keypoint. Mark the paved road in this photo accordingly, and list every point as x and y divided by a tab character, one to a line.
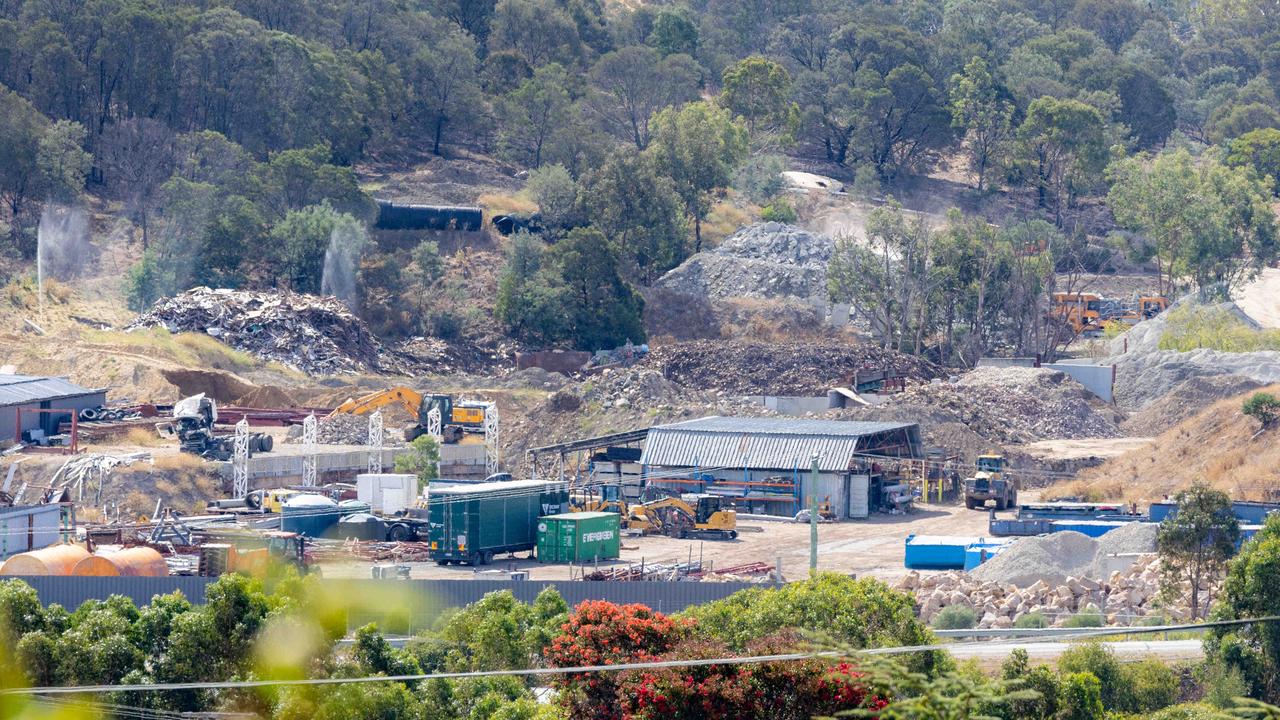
1167	650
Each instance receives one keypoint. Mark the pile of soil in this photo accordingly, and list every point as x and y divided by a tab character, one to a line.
801	369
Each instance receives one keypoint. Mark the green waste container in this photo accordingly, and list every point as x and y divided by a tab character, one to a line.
578	537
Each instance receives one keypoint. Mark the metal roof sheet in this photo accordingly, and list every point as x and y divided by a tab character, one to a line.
23	389
759	443
496	488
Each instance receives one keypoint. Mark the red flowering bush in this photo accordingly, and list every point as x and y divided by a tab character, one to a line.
601	633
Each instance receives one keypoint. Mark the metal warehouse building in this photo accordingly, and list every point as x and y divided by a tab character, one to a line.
50	393
765	463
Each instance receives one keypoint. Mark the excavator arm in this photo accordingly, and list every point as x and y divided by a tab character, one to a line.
409	399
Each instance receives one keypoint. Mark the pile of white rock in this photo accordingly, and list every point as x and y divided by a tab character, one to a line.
1125	598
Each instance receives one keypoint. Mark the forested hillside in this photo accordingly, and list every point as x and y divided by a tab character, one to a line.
229	134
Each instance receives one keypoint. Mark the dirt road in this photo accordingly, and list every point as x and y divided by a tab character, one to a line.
872	547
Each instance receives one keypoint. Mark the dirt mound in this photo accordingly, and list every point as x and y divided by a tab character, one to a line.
1220	446
224	387
317	335
267	396
747	368
765	260
1185	400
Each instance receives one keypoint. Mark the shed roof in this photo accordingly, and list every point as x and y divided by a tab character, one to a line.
764	443
24	389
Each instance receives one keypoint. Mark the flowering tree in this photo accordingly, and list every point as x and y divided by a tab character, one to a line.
601	633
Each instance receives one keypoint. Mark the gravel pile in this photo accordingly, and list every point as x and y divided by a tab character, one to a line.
804	369
1145	373
1138	537
765	260
1055	557
1049	558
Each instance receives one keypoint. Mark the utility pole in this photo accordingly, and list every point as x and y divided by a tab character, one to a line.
813	517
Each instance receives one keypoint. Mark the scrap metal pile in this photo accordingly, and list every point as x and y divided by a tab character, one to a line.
767	369
317	335
692	571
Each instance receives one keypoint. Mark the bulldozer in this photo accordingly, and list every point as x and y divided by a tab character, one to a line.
685	516
456	419
990	483
254	556
1080	311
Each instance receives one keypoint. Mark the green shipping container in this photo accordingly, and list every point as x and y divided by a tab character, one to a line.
473	523
578	537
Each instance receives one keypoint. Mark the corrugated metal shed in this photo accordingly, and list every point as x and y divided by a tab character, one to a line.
765	443
32	392
25	389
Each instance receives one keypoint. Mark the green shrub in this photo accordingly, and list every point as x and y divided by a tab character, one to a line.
1031	621
1097	660
955	617
1080	697
1085	619
1152	686
1186	711
1223	685
1263	406
1214	328
780	210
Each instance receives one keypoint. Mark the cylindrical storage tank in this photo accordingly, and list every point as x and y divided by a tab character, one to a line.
309	515
132	562
53	560
360	526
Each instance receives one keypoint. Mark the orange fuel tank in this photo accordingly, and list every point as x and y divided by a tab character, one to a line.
53	560
135	562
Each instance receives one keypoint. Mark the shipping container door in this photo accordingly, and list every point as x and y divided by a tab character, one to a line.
859	496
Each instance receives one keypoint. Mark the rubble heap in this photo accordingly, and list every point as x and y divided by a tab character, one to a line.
764	260
317	335
807	369
1123	598
1016	405
345	430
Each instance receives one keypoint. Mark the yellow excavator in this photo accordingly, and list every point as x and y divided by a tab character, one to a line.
456	419
680	517
600	498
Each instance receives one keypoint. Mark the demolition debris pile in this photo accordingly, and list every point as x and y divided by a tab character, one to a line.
765	260
317	335
805	369
1014	405
1056	576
